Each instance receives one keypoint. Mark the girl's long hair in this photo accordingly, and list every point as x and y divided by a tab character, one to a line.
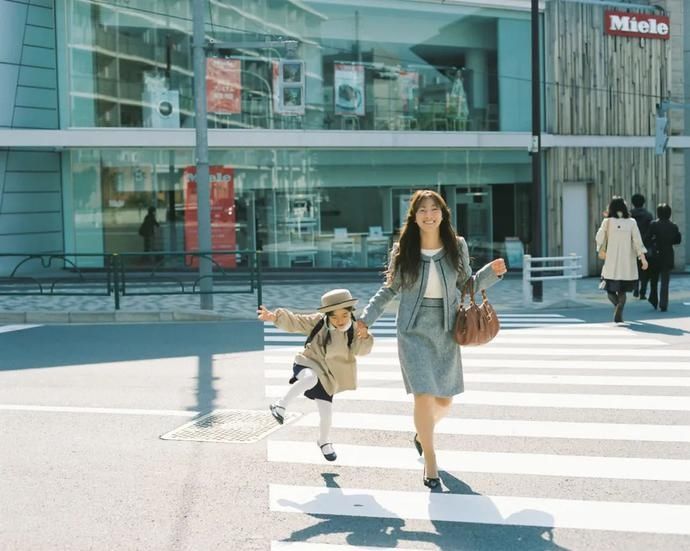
407	257
617	208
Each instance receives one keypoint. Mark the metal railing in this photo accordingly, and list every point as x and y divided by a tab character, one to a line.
127	274
562	267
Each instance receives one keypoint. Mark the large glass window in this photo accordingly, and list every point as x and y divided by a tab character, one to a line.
302	208
341	65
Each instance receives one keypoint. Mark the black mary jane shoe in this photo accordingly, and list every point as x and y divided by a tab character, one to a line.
329	456
431	483
417	445
277	415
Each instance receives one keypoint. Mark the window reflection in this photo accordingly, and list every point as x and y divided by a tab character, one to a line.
400	67
304	209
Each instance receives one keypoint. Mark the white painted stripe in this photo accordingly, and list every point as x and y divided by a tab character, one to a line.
536	464
493	350
109	411
509	338
482	509
521	379
393	362
533	316
304	546
12	328
563	364
383	348
510	427
521	399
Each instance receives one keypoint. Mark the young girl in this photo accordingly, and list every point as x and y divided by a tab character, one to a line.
327	364
427	267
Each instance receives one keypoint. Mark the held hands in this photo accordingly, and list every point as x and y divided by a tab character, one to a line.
264	314
499	267
361	329
643	262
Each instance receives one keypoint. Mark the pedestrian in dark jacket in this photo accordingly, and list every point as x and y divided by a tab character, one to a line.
148	229
663	234
643	218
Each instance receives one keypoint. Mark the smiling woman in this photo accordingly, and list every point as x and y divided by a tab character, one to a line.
428	266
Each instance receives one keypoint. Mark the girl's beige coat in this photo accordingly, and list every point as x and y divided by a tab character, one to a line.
334	364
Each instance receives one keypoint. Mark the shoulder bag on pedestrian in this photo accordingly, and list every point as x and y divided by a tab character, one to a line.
602	249
475	324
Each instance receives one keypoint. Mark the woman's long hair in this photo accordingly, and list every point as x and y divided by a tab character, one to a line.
408	256
618	208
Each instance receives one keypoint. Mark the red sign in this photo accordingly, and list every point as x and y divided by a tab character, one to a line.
223	85
223	233
641	25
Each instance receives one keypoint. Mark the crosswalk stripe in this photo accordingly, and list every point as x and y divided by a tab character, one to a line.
521	379
537	464
530	339
509	427
383	348
521	399
501	510
393	362
12	328
589	331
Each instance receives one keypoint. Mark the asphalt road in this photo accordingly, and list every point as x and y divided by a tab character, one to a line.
573	434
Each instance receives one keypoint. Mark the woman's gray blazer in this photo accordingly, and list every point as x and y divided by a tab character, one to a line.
453	279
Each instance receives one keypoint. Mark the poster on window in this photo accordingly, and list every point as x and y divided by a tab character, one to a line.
348	84
408	87
288	87
223	228
223	86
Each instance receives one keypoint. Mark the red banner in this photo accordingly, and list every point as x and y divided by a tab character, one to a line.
223	85
638	25
223	232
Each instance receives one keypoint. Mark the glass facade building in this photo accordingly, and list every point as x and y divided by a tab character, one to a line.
350	79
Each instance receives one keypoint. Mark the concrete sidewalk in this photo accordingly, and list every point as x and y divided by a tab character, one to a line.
505	296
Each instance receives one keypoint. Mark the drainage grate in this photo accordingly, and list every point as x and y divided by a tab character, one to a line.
238	426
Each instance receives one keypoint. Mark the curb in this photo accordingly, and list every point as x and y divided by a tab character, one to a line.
120	316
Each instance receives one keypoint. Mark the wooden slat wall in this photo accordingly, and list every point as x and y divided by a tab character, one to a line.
601	85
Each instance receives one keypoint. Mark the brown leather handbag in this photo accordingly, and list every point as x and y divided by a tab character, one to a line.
475	324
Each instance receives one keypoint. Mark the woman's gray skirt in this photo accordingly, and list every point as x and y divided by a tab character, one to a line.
429	357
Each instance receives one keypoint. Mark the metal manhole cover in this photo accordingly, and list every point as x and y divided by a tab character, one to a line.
238	426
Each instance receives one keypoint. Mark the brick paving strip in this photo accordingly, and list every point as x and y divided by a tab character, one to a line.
506	295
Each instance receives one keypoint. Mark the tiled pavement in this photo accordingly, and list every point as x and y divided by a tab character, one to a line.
506	295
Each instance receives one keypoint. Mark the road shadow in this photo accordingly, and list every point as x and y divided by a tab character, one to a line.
654	329
69	346
383	528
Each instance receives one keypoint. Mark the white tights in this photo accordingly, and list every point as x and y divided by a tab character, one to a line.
307	379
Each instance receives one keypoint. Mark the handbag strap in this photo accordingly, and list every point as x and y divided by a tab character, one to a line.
468	289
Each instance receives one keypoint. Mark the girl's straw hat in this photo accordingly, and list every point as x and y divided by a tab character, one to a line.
336	299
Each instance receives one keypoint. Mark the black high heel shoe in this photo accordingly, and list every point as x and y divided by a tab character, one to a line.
431	483
417	445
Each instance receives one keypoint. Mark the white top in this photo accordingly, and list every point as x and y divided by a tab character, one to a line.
433	286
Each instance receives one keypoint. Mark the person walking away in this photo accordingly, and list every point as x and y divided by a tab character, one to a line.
620	238
643	218
427	267
147	230
663	235
328	363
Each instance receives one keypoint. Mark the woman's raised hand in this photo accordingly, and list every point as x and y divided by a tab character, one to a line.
362	329
264	314
499	266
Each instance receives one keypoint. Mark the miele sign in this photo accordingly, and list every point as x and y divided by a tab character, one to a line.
621	23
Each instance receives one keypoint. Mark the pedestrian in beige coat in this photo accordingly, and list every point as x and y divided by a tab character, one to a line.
619	240
328	364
